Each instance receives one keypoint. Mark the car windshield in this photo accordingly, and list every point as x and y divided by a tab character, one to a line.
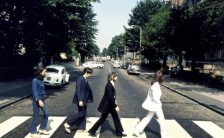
52	70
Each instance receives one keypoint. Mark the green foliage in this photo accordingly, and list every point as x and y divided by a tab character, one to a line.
104	52
141	15
117	46
47	27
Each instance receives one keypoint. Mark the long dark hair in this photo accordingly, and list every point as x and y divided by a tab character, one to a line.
158	77
111	76
37	72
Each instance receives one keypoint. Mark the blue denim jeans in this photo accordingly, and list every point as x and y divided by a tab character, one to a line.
36	110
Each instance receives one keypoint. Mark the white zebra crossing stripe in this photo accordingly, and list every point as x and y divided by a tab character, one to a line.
11	123
90	121
129	124
174	130
211	128
53	124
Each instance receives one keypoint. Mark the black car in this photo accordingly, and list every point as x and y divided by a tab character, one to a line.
175	70
124	66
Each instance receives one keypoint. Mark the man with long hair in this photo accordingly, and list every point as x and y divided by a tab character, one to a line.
154	106
38	91
108	105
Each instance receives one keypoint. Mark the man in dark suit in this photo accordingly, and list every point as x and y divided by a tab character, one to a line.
83	95
108	105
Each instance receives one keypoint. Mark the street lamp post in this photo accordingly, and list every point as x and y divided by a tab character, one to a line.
140	42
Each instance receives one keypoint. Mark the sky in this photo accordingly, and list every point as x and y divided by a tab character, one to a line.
112	15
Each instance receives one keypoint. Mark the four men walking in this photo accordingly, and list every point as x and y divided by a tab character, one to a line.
108	105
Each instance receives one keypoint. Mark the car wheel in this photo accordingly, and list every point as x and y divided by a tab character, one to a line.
61	85
98	67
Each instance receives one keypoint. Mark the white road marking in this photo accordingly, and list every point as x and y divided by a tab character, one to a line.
90	121
129	124
174	130
109	69
211	128
53	124
11	123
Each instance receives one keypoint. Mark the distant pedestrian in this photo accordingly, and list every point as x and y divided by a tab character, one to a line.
108	105
212	71
38	91
213	80
82	96
154	106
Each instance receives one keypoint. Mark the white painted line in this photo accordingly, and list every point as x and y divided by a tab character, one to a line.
129	124
174	130
90	121
109	69
211	128
11	123
52	125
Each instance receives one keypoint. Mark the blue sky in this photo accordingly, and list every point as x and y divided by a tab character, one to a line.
112	16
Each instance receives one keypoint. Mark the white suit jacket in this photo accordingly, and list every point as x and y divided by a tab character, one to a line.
154	94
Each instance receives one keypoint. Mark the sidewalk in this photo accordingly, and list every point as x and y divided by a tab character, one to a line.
14	91
207	97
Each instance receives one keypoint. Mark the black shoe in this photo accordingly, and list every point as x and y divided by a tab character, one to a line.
92	134
121	135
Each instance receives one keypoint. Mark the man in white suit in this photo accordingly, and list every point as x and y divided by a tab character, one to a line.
154	106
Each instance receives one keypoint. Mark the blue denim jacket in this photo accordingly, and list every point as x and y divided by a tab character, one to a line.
38	89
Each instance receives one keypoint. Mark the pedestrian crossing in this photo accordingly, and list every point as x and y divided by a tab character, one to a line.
174	128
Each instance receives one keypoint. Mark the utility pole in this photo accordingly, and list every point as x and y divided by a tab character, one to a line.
140	42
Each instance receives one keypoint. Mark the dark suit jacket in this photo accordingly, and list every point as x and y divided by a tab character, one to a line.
108	103
83	91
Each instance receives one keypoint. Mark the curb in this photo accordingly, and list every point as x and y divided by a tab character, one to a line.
193	99
13	101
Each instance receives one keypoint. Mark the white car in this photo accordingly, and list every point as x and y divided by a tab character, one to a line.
116	64
56	75
97	65
88	64
92	64
133	69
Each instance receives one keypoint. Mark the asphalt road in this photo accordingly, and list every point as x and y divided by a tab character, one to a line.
131	92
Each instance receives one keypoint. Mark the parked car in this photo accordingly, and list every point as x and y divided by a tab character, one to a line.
175	70
97	65
116	64
124	66
56	75
133	69
88	64
93	64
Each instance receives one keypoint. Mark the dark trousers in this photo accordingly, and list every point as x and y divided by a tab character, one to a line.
116	119
78	121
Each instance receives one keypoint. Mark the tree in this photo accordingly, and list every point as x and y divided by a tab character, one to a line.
195	30
47	28
116	47
104	52
154	35
140	16
80	25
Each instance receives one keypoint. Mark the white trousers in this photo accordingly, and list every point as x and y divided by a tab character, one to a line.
145	121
